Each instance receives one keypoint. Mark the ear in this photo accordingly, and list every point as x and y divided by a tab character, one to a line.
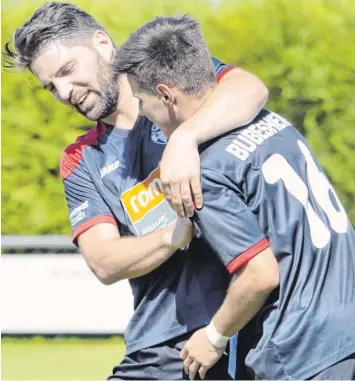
165	94
103	44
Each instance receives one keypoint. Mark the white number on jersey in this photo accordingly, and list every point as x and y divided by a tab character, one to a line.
277	168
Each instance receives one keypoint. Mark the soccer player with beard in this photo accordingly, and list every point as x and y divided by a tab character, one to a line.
270	214
119	217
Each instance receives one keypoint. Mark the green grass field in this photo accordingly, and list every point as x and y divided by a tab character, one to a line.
60	358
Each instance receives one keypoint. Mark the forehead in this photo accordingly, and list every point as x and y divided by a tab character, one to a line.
54	57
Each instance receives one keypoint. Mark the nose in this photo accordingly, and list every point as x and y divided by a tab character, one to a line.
64	89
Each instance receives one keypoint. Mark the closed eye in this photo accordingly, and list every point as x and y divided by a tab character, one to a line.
49	87
66	71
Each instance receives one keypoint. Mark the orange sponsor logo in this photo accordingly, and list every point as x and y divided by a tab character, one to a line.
143	197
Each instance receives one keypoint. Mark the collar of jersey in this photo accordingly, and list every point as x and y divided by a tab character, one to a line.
116	130
120	131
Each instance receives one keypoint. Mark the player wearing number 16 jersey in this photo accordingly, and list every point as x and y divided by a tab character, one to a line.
271	216
266	189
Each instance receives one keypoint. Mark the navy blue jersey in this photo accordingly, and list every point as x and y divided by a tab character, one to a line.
111	175
263	188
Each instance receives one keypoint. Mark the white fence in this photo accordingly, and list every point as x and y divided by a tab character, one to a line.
57	293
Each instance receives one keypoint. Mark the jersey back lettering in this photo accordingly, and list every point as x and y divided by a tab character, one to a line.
263	188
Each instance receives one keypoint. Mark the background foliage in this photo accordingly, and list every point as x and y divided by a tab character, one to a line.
303	50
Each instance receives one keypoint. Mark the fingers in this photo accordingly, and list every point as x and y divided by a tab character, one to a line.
196	191
183	354
186	197
181	177
194	367
187	363
167	192
191	366
176	199
202	372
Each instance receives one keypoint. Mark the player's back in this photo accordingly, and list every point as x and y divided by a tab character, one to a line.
270	169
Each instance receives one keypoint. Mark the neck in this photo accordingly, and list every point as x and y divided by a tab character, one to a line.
189	106
126	112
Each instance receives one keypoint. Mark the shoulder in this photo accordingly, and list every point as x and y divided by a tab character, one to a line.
233	149
73	154
221	69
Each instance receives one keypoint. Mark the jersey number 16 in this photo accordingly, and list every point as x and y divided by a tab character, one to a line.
277	168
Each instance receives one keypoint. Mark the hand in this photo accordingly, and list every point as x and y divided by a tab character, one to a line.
180	174
199	354
181	233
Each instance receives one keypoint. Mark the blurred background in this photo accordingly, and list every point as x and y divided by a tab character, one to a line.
58	321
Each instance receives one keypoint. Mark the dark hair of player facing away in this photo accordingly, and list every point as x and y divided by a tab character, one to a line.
168	50
54	21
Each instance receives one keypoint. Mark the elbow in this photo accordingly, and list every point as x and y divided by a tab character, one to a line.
255	101
261	274
259	96
258	91
268	282
104	275
266	271
253	89
263	94
102	267
105	279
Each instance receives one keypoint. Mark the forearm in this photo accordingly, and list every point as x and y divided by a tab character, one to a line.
248	292
250	287
241	304
235	102
131	257
206	346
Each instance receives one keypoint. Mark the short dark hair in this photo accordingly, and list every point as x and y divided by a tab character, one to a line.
168	50
54	21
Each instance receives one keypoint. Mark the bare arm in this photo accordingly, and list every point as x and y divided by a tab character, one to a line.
236	101
113	258
248	292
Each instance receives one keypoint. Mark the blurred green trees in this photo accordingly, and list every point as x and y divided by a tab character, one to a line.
303	50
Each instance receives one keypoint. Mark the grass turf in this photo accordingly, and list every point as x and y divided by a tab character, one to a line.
59	358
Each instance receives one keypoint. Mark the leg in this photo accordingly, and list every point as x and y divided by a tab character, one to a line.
162	362
136	366
342	370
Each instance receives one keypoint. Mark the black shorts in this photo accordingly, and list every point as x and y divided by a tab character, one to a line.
162	362
342	370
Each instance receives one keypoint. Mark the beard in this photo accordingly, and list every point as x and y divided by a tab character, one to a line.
108	94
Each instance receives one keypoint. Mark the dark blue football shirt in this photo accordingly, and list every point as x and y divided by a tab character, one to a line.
263	188
111	175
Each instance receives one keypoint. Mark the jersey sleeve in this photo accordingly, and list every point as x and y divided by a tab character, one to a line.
86	206
220	69
226	223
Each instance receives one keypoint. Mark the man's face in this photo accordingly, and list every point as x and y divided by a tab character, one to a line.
154	108
80	77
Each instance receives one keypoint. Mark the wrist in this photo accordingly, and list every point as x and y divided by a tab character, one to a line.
167	239
186	134
214	337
